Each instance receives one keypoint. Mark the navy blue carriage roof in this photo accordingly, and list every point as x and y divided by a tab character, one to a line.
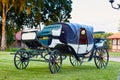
70	32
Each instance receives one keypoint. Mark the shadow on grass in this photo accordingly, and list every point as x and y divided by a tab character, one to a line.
44	70
65	69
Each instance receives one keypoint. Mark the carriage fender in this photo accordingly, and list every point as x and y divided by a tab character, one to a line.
63	48
66	50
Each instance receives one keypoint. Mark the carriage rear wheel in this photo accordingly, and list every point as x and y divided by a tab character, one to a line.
74	61
55	61
101	58
21	59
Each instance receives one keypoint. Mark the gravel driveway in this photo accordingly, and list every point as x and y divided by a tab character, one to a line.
117	59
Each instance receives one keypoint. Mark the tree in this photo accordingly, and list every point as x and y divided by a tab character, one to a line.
46	12
5	6
56	11
19	13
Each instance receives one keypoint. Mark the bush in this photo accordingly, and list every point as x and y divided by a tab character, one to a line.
12	49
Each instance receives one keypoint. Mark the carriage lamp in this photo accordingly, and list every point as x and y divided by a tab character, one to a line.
83	32
117	7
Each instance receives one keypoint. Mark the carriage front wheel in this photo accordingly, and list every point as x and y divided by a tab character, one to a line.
55	61
101	58
21	59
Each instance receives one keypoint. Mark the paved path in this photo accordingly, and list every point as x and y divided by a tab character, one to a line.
117	59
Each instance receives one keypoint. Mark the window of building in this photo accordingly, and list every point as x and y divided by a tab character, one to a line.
114	41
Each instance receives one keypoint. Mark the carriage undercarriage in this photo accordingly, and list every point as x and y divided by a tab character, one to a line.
55	55
54	58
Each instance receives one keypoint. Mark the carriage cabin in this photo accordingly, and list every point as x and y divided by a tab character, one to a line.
79	37
115	41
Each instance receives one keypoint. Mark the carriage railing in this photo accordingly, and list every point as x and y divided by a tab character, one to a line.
100	42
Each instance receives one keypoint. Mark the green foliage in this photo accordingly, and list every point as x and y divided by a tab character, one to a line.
12	49
40	11
56	11
10	36
105	35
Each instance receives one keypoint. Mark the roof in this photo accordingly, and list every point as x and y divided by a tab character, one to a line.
72	30
114	36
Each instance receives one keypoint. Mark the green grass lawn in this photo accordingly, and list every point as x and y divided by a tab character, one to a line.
40	71
114	54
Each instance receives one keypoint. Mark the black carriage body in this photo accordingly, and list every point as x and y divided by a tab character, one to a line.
71	34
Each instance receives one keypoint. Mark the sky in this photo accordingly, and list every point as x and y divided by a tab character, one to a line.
96	13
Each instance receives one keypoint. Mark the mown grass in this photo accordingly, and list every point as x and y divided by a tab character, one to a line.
39	71
114	54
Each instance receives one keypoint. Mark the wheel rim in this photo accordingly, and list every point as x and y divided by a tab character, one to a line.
74	61
55	61
101	58
21	59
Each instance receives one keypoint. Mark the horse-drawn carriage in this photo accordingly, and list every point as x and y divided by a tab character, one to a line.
57	41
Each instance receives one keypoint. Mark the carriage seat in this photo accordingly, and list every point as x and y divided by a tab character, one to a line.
51	30
48	33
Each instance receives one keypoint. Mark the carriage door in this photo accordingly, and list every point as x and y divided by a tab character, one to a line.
83	41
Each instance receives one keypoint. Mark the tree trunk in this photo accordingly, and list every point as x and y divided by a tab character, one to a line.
3	40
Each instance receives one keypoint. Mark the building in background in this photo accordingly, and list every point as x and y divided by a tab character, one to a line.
115	41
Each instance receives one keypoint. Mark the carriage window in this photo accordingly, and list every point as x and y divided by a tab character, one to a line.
83	36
